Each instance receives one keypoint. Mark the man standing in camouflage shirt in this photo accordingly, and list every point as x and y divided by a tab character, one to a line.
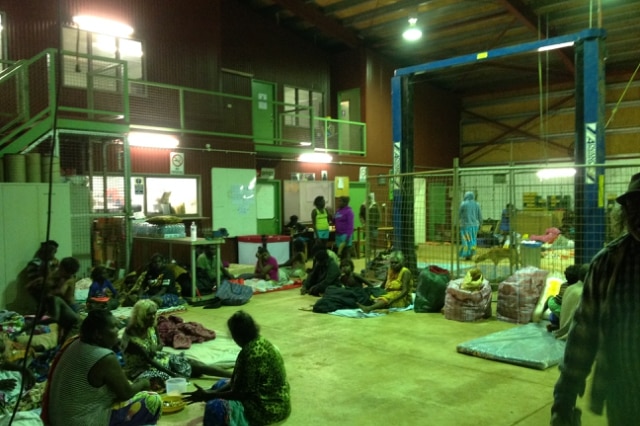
606	330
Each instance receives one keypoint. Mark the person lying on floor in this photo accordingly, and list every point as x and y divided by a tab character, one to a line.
258	392
87	385
325	273
143	355
397	286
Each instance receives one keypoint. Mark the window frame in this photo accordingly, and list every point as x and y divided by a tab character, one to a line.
84	43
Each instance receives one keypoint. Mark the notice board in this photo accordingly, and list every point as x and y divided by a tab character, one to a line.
233	198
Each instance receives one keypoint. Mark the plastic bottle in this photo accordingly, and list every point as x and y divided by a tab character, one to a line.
194	232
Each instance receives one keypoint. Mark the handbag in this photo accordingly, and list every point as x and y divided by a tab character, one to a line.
232	294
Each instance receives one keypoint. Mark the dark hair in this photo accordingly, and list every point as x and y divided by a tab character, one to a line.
243	328
347	262
96	321
345	199
293	218
572	273
49	243
584	268
70	265
298	244
98	272
317	200
321	255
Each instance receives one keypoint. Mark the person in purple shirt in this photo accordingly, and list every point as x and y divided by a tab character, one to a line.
266	266
343	220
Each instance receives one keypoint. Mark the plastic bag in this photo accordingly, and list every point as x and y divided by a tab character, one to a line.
431	289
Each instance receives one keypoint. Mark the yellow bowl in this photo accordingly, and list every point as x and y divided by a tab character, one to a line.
172	404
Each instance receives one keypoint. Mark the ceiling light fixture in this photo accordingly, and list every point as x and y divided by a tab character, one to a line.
315	157
412	33
555	173
102	26
555	46
152	140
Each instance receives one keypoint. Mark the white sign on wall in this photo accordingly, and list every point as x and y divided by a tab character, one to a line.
176	163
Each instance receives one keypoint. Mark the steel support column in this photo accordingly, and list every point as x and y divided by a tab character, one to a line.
403	206
590	147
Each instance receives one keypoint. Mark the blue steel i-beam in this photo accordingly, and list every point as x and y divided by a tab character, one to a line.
590	135
590	148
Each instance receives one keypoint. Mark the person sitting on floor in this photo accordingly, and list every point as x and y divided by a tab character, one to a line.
12	374
349	278
322	246
258	392
397	286
207	270
554	303
143	355
266	266
158	282
57	292
325	272
87	385
101	290
295	266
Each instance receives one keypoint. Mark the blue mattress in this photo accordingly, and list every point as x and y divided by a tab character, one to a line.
529	345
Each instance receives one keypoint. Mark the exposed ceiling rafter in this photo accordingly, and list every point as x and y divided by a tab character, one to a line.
315	17
530	20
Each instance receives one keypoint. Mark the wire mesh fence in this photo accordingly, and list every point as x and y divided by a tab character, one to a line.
529	217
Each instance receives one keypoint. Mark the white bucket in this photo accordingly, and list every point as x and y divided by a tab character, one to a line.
176	386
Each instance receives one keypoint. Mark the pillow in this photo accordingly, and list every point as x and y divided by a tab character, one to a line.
164	220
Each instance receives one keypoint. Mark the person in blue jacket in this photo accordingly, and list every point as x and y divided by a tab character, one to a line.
470	220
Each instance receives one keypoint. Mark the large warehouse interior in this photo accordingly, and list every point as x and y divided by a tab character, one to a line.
151	139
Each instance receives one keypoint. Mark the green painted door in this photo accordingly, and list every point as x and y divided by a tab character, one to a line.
263	111
269	207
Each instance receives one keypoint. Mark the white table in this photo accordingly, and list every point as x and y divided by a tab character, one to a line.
187	241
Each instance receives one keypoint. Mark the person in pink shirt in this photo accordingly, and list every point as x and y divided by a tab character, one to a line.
266	266
343	219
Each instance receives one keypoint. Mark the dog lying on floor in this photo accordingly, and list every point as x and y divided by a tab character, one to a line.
498	254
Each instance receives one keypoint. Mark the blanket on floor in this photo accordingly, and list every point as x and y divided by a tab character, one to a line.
177	333
529	345
336	298
358	313
222	351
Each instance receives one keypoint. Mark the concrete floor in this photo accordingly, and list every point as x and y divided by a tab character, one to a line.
400	369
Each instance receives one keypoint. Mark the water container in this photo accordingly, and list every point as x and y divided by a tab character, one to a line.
193	232
176	386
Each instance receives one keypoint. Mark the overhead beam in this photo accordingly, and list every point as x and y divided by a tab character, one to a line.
528	17
517	127
315	17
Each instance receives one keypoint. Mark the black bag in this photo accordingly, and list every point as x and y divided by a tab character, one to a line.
431	289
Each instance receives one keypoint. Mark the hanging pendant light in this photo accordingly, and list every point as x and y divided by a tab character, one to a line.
412	33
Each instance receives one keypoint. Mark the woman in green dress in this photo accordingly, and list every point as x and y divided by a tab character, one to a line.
258	391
